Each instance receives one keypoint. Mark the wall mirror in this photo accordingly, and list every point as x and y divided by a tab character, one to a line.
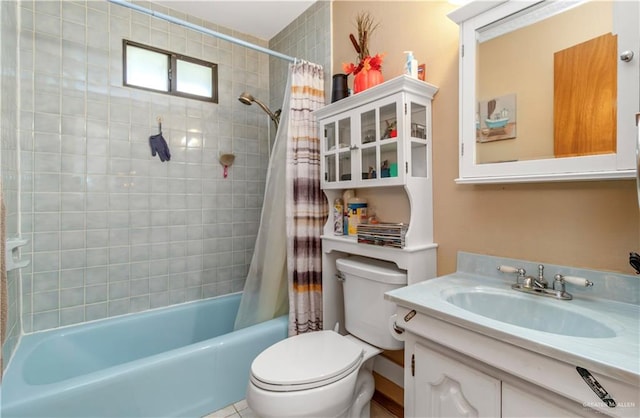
548	90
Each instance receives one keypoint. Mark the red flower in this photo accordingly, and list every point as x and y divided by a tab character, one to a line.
367	64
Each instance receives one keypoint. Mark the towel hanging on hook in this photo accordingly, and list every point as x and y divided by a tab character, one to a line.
158	144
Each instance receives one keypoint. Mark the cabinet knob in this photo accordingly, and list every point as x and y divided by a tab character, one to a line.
626	56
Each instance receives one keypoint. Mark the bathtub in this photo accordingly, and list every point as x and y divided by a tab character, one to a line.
180	361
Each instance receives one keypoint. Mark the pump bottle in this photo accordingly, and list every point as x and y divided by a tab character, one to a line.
411	65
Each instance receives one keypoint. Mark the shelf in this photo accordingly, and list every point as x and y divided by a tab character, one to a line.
400	256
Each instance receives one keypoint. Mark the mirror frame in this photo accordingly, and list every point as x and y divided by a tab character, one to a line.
621	165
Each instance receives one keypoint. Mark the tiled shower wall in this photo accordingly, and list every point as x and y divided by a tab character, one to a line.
112	229
307	37
9	157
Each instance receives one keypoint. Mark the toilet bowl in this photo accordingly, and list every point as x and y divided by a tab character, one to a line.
325	374
314	374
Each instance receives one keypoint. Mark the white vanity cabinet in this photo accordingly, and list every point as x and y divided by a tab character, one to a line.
441	385
454	372
444	387
378	137
474	346
380	140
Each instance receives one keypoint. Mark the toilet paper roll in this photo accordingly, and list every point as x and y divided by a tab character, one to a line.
397	332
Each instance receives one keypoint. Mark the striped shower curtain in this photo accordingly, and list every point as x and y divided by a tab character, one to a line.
306	205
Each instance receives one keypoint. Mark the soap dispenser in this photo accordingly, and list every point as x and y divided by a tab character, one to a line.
411	65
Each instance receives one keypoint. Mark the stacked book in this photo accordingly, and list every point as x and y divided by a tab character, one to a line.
384	234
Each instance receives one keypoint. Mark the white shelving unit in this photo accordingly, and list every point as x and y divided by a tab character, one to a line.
379	138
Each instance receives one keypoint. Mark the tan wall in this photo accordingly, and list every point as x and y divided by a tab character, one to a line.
583	224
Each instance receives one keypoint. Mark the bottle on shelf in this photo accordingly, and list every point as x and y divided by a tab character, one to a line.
346	195
357	208
338	216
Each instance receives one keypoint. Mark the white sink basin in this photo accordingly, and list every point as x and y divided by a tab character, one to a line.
532	312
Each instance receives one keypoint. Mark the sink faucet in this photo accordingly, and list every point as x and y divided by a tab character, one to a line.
528	282
540	282
540	286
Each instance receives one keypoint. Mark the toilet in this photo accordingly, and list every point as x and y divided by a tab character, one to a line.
325	374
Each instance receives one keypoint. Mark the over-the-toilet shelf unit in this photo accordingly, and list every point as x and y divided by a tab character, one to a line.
380	137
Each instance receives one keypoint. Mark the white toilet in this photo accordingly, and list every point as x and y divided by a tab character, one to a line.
325	374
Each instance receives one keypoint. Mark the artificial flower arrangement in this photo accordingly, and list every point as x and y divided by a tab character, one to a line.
367	72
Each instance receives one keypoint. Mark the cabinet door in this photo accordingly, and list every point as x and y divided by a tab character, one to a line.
418	137
379	141
444	387
518	403
337	150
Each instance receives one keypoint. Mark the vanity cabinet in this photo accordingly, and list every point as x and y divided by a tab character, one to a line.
454	372
380	140
444	387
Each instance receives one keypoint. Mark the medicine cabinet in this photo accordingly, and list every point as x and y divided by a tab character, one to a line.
548	90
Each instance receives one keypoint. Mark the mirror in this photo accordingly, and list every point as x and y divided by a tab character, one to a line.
545	94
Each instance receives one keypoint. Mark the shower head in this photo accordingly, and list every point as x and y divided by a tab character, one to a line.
247	99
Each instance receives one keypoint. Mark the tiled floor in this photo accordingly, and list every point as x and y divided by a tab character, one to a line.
237	410
241	410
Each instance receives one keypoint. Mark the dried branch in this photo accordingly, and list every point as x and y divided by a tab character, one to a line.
366	25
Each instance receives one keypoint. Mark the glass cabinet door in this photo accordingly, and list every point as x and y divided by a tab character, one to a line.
379	142
344	149
337	151
418	139
329	152
388	163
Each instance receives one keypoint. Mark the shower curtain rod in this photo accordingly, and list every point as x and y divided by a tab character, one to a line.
202	30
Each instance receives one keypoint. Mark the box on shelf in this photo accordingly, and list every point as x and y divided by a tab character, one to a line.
383	234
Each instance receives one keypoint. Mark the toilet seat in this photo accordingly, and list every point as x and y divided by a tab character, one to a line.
306	361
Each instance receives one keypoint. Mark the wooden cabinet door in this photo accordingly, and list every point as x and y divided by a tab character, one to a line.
585	97
444	387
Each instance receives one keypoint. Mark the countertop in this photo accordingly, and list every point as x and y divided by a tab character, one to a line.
617	357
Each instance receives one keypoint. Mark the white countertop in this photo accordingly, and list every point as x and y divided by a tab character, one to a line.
617	357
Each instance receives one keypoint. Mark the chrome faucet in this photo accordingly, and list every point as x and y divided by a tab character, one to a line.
540	282
540	286
561	280
528	282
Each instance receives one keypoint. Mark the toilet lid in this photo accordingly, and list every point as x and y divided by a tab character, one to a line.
306	361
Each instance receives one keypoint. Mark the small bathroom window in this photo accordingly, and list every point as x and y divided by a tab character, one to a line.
162	71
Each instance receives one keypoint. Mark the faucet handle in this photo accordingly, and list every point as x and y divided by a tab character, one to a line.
517	270
509	269
577	281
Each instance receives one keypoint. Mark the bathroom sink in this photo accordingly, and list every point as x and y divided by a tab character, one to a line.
528	312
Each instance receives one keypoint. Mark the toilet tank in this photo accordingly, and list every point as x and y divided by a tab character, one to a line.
366	311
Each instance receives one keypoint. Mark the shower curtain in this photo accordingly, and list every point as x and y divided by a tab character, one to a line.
265	290
306	204
285	271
